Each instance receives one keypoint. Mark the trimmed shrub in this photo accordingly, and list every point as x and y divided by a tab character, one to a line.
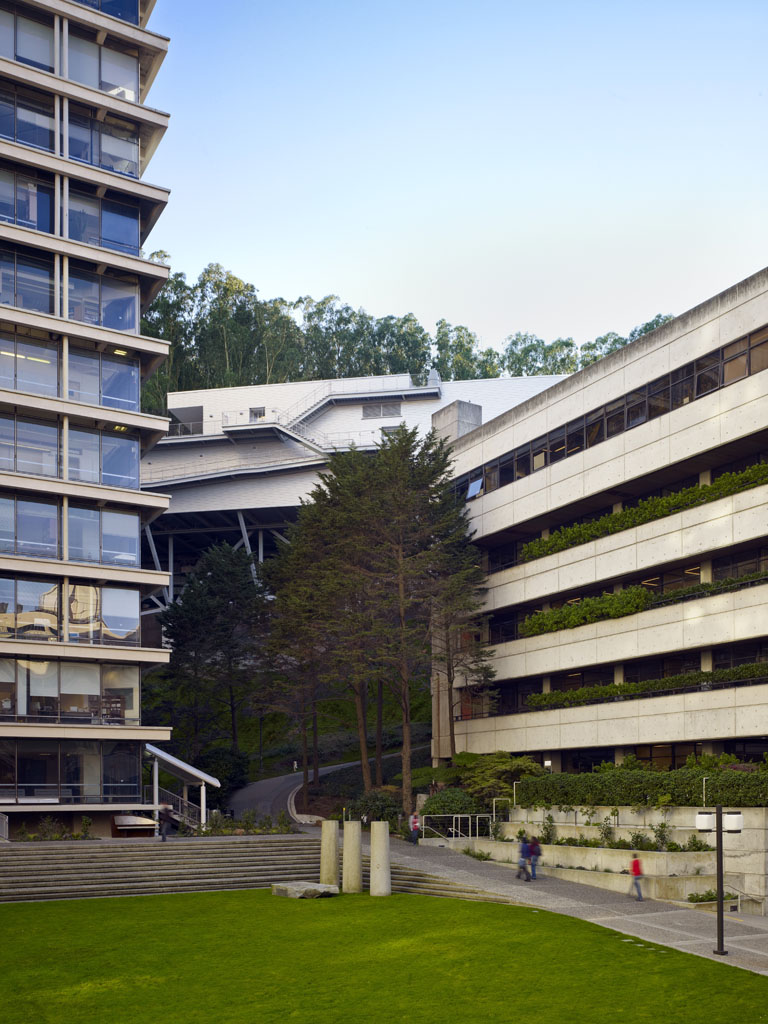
451	801
645	512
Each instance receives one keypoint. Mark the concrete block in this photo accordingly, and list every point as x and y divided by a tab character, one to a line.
303	890
381	874
329	853
352	863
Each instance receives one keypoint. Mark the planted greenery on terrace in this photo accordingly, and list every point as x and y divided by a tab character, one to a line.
645	512
614	691
617	787
625	602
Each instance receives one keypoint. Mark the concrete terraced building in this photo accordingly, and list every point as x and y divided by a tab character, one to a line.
75	140
680	408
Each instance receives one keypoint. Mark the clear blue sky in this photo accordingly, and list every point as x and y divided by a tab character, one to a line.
557	167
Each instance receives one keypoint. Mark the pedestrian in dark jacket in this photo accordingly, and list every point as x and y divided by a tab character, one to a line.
522	860
535	851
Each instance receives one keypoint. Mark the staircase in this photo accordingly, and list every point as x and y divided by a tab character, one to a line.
134	867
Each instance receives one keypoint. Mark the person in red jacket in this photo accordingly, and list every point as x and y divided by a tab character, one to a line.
636	871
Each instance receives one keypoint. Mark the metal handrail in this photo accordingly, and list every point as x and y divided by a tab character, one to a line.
456	829
184	809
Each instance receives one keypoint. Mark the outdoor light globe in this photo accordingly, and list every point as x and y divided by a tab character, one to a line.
705	821
733	821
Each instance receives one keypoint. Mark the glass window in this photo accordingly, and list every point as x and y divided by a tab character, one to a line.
7	687
595	428
7	524
506	470
126	10
120	461
7	114
556	442
119	382
84	376
120	228
84	613
118	303
120	693
682	393
80	690
34	284
7	443
735	369
120	538
83	526
758	358
614	418
539	453
38	770
83	138
6	34
83	61
120	614
121	765
119	74
575	436
34	120
84	455
120	149
7	278
34	43
637	410
83	296
37	448
37	367
80	762
707	380
37	528
41	681
84	218
491	477
7	607
522	462
7	361
7	194
37	610
658	398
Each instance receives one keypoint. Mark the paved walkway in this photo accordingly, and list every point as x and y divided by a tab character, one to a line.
692	931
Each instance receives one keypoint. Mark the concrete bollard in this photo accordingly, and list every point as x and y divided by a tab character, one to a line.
329	853
381	876
352	863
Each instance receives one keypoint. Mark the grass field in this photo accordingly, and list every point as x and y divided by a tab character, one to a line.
251	958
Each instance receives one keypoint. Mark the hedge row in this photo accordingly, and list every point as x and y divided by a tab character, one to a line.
687	680
625	602
680	788
645	512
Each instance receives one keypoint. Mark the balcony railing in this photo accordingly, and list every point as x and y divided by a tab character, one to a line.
611	698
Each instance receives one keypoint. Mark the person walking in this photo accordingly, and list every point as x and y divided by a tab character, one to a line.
413	828
535	851
636	870
166	820
522	860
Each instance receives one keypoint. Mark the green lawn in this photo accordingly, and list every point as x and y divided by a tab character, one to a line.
251	958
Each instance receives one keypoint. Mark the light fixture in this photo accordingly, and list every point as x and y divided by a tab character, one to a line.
733	821
120	351
705	821
121	429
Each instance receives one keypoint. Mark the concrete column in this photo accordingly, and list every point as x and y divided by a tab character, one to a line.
329	853
352	865
705	570
546	684
705	478
556	758
618	674
706	661
381	876
65	528
203	808
618	755
618	506
545	533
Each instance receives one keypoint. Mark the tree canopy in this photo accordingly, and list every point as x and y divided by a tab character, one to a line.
223	334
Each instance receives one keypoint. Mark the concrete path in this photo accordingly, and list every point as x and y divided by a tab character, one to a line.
692	931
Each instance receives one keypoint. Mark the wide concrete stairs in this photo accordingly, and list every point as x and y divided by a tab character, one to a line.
133	867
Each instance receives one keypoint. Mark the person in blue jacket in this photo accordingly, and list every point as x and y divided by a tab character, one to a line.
522	860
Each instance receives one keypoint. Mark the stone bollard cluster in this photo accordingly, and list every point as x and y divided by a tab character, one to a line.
352	868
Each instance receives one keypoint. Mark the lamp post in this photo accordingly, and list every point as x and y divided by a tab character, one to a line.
731	821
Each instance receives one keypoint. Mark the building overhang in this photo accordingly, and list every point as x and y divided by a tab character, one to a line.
151	503
147	581
62	731
84	652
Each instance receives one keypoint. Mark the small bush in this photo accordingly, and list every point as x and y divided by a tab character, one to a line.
377	806
477	854
451	801
709	896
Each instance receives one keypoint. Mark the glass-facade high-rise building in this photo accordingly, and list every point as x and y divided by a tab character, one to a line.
76	136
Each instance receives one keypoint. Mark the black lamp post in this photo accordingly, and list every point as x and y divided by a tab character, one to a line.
731	821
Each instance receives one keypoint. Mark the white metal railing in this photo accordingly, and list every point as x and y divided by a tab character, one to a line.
456	826
4	828
182	808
